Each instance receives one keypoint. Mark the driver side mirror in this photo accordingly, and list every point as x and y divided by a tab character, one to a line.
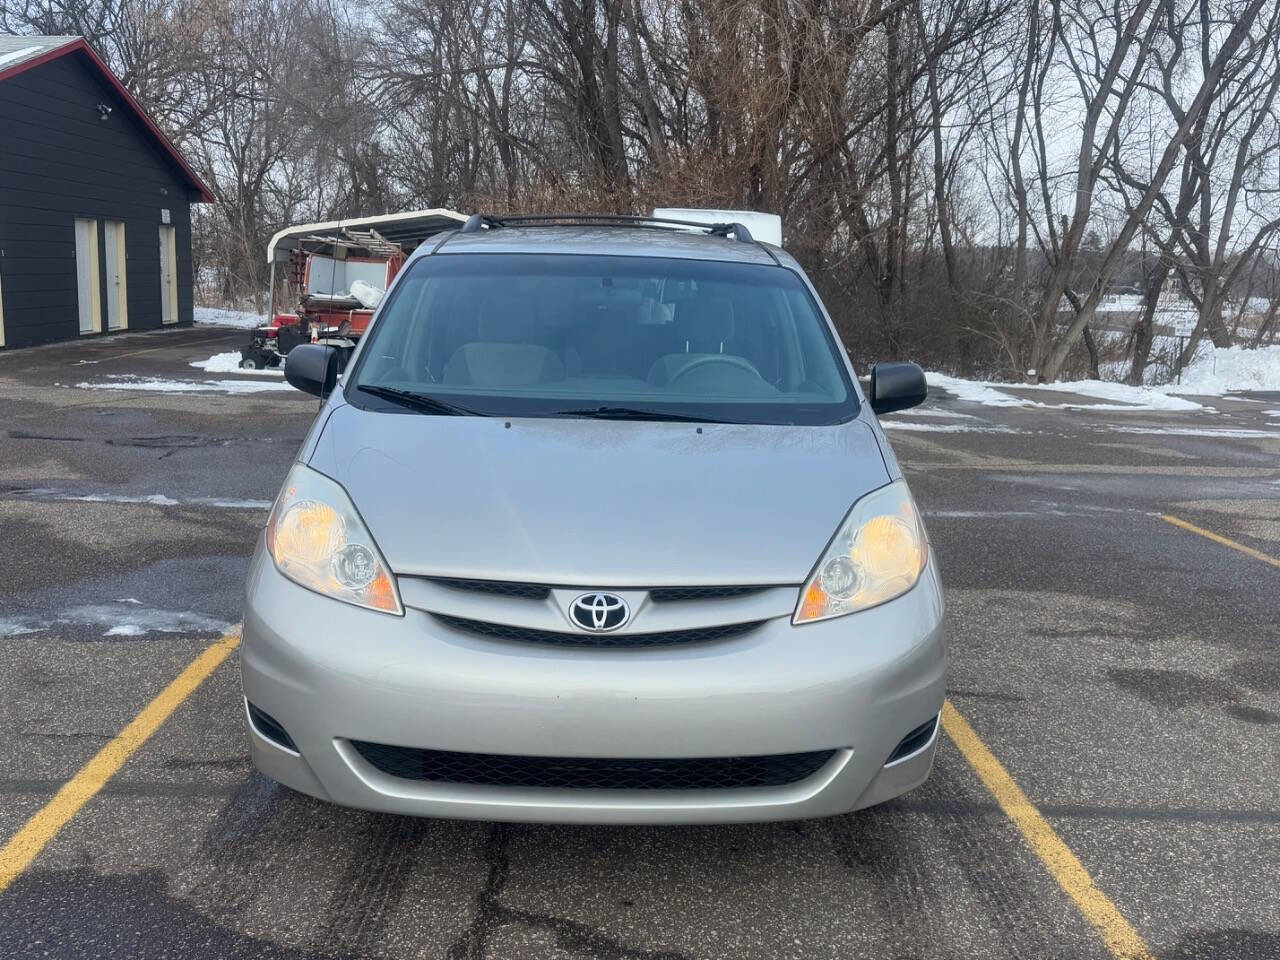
312	368
896	386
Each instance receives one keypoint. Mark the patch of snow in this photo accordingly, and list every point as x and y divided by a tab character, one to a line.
133	600
153	499
218	317
138	621
933	412
229	362
944	427
1272	413
1220	370
1123	396
128	381
17	54
17	628
1240	433
976	391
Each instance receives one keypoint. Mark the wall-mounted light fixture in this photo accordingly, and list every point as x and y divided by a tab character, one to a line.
104	111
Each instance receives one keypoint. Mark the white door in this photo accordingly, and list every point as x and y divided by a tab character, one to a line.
88	286
168	275
117	279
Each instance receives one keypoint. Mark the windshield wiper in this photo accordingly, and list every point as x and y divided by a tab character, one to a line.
635	413
419	401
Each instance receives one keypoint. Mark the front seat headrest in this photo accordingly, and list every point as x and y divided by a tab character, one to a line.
704	323
503	318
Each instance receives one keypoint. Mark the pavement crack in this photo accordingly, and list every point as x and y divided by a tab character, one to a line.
491	915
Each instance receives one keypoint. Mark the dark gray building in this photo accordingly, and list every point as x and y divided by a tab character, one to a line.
95	221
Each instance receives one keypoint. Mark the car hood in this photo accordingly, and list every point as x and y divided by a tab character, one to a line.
598	502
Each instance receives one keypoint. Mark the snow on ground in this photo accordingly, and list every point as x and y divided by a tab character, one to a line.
914	427
1214	372
1239	433
152	499
128	381
218	317
1121	395
977	391
132	620
992	394
1219	371
229	362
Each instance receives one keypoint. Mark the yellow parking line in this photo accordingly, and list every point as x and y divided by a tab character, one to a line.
1217	538
17	854
1121	939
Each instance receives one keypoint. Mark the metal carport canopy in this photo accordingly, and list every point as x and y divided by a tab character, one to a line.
407	229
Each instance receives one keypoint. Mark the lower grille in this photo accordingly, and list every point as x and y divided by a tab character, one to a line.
527	635
487	769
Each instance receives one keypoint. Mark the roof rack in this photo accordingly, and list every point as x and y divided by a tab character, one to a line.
487	221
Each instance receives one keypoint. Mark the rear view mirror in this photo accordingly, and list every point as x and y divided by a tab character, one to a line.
312	368
896	386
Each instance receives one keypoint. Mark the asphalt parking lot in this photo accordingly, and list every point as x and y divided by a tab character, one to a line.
1108	786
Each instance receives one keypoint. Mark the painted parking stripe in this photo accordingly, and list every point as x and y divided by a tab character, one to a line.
18	853
1218	538
1124	942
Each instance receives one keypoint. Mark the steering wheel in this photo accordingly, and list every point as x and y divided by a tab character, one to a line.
737	362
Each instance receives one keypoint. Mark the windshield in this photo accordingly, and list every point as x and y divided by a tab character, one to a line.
574	335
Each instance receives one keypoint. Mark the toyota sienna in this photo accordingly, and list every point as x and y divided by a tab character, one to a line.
597	525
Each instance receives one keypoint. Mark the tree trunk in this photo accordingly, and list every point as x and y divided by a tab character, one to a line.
1145	330
1092	347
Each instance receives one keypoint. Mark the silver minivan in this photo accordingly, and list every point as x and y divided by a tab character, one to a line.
596	526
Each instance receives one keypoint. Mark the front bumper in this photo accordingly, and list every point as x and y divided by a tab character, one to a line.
330	673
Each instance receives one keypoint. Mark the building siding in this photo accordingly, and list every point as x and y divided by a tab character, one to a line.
59	161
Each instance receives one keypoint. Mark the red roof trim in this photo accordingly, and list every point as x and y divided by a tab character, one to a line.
80	44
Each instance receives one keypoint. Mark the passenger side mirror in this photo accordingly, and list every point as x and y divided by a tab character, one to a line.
896	386
312	368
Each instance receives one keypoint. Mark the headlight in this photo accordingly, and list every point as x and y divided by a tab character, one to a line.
319	541
877	554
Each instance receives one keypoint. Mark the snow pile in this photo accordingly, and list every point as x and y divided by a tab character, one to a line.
1217	371
1121	396
229	362
977	391
161	385
217	317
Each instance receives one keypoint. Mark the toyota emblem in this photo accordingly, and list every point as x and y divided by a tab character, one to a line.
599	612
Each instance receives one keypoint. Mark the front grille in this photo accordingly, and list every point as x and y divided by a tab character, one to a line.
674	594
583	773
501	588
540	591
502	631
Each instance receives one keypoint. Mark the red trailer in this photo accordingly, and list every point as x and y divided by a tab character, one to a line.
332	276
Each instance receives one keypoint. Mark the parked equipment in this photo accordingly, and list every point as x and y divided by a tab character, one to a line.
333	275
